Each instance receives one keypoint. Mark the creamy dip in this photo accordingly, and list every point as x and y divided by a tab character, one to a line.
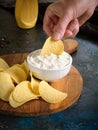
51	61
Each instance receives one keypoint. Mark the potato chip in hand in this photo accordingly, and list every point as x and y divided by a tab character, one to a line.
52	46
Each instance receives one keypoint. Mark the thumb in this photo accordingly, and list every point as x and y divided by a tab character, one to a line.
72	29
60	28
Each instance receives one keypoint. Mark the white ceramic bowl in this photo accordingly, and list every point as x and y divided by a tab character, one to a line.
49	75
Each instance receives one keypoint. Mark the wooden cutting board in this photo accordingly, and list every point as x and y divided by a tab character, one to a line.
72	84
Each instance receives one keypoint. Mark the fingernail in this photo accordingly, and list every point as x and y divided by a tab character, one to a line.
57	36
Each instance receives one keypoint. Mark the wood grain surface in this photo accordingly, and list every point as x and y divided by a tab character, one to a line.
70	45
72	84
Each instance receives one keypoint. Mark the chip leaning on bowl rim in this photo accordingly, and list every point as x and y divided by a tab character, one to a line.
48	74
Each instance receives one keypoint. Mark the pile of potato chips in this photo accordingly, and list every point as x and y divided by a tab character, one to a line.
16	87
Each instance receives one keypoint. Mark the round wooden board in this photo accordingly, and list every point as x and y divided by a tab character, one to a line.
72	84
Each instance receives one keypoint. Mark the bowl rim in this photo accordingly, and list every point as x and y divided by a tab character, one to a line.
29	62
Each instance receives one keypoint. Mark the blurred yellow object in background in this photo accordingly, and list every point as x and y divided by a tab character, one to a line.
26	13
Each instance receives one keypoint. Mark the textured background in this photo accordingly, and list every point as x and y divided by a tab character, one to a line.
82	115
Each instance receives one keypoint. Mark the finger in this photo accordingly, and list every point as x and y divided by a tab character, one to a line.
68	34
82	19
48	23
73	24
72	29
59	29
75	31
55	19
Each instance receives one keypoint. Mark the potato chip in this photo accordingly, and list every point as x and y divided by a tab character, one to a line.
13	103
6	86
50	94
25	67
1	69
17	74
35	84
23	92
3	65
52	46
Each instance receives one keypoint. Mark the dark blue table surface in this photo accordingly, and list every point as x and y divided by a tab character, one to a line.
82	115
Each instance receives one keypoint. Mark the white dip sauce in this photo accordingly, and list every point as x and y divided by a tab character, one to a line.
49	61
